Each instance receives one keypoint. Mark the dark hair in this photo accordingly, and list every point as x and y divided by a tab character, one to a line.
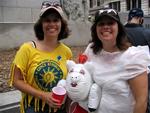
38	29
122	40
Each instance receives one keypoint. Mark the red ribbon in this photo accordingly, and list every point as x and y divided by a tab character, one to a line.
82	58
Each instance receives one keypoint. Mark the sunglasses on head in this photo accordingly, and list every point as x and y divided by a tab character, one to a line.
46	4
107	11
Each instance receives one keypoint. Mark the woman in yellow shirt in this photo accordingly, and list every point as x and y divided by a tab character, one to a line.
40	64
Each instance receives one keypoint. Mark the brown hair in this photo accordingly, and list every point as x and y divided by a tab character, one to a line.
38	29
122	40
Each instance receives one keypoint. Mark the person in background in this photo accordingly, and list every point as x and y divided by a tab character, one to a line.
138	35
40	64
119	73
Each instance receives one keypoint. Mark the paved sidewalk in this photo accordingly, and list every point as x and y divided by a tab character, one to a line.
9	101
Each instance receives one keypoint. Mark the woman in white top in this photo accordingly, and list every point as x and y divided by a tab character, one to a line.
120	69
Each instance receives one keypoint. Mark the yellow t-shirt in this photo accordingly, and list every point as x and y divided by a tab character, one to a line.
42	70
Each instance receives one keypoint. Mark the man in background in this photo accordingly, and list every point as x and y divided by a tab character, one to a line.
138	35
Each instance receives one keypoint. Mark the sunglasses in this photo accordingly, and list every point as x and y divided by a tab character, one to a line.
108	23
112	13
46	4
108	11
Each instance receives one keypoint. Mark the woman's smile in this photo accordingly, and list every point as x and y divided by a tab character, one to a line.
107	29
51	30
106	33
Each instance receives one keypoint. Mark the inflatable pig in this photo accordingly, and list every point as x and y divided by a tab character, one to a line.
80	86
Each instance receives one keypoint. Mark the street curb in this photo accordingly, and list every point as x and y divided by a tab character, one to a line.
9	102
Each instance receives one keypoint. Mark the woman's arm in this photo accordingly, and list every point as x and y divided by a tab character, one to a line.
26	88
139	87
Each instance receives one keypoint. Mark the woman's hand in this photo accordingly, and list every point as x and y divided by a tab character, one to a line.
52	102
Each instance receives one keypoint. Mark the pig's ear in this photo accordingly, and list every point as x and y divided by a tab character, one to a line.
89	66
70	64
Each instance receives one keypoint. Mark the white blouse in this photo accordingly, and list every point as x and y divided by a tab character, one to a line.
112	71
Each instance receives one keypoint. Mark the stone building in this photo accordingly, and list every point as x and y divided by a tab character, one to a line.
120	5
17	18
123	6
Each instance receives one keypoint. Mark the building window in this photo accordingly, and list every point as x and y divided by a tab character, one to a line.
91	3
98	2
94	3
139	3
115	5
133	4
128	5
